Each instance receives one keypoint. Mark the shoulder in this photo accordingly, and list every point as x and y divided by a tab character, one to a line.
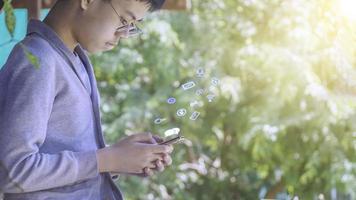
32	62
32	54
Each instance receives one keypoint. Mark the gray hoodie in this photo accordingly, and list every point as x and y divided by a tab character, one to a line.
50	124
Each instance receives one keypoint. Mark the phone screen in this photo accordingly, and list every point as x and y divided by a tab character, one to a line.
172	139
172	136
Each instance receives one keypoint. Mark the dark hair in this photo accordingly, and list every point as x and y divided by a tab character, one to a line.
153	4
1	5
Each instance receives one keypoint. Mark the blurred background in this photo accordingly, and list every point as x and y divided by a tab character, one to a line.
282	123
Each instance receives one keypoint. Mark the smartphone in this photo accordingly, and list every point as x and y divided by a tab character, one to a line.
172	140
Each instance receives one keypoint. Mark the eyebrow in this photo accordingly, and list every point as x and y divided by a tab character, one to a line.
133	17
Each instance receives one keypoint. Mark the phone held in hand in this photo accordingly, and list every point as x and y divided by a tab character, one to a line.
172	140
173	136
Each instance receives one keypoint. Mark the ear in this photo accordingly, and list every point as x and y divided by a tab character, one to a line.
84	4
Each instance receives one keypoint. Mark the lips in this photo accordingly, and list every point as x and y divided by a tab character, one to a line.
111	43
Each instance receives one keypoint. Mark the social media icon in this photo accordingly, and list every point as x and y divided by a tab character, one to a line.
199	92
194	115
210	97
159	120
200	72
181	112
172	131
215	81
188	85
171	100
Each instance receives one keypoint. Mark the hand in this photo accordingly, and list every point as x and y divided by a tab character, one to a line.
132	154
160	164
166	158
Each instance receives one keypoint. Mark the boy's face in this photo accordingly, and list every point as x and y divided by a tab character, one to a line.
96	27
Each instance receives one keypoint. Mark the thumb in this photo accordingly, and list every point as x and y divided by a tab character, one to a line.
157	138
143	137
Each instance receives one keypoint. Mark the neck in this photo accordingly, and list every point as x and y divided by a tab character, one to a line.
59	24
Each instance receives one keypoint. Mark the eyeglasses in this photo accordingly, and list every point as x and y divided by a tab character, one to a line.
129	30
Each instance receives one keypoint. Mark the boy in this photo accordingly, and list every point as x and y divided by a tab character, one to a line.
51	142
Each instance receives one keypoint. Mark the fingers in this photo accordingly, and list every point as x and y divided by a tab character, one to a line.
144	138
157	138
159	165
172	148
167	160
151	165
147	171
150	161
153	152
161	149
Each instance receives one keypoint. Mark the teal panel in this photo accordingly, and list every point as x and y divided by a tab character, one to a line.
6	44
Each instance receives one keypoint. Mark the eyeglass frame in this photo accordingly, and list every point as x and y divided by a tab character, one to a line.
131	29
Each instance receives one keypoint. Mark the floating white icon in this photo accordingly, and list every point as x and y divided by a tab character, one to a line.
159	120
199	92
171	100
181	112
172	131
215	81
200	72
194	115
196	103
188	85
210	97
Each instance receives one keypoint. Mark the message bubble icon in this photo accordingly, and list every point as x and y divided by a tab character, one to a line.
172	131
188	85
194	115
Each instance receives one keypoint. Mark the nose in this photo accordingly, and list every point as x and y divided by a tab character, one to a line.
123	33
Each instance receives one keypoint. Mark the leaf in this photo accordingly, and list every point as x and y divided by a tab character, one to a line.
31	58
10	18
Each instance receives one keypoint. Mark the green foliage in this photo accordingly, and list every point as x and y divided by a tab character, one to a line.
10	19
283	122
31	58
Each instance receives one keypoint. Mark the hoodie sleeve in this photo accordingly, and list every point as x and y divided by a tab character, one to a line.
27	95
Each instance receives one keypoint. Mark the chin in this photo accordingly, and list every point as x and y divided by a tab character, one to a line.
95	50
